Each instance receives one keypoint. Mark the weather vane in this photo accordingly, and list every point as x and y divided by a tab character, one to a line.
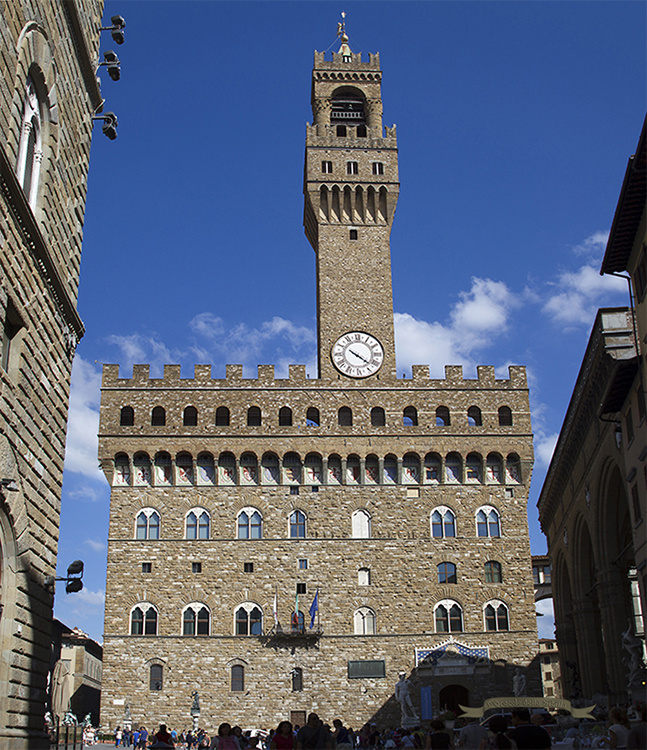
341	26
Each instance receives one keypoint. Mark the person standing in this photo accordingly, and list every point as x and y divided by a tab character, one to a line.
314	736
471	736
527	735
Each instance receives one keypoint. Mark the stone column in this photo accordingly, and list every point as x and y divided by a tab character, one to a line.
324	470
615	618
590	653
380	470
362	471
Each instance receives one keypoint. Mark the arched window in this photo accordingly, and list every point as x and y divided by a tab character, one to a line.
122	469
162	468
270	468
493	572
253	416
312	417
442	417
285	416
158	417
453	468
390	469
197	524
345	417
505	416
206	471
249	524
473	470
238	678
493	468
448	617
495	614
148	524
222	416
432	468
184	466
127	416
378	418
334	469
297	525
474	418
447	573
195	620
142	467
371	469
411	468
364	621
443	523
352	469
364	577
487	522
156	676
248	468
249	619
143	620
313	468
292	468
410	417
361	525
513	468
30	152
297	680
190	416
226	468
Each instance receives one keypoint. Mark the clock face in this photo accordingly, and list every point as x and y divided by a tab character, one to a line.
357	354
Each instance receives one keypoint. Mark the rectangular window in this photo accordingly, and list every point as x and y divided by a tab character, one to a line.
352	167
294	490
546	573
535	576
549	646
368	668
353	234
378	167
301	588
248	567
326	167
196	567
303	565
147	567
629	426
315	488
237	679
548	676
549	691
156	677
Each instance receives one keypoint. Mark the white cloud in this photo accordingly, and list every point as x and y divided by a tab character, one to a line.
545	623
95	545
87	492
83	421
545	446
578	294
476	320
91	598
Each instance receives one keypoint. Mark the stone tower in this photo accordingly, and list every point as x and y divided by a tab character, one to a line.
282	545
48	95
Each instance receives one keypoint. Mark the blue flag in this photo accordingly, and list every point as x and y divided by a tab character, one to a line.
314	607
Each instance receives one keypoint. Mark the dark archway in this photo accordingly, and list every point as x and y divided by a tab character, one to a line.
451	696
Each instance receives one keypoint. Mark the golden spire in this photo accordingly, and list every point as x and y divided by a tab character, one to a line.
344	50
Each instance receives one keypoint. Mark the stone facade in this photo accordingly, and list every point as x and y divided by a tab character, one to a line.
593	504
48	92
551	677
399	503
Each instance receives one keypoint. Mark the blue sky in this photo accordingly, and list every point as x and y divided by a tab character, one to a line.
515	122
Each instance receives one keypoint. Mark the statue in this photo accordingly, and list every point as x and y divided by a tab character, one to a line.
87	721
69	719
403	696
519	683
635	664
195	706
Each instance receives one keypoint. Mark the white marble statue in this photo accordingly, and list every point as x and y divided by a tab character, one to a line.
403	696
519	683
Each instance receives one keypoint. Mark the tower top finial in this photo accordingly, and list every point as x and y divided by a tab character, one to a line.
345	49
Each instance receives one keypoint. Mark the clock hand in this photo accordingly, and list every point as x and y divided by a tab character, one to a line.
359	356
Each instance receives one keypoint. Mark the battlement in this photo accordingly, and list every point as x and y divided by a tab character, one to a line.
339	64
172	378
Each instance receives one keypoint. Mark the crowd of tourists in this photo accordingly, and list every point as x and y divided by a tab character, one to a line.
526	733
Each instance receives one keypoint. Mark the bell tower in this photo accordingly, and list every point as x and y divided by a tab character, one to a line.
351	191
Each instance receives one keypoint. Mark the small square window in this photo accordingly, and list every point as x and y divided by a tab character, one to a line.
301	588
294	490
353	234
196	567
326	167
303	564
509	492
378	167
315	488
248	567
147	567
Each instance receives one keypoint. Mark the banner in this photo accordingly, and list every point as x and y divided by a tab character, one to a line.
513	702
